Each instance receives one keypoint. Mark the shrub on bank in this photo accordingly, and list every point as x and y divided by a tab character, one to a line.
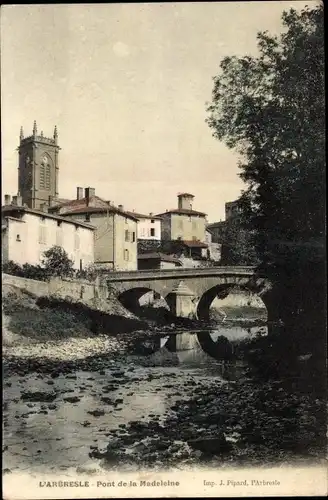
26	271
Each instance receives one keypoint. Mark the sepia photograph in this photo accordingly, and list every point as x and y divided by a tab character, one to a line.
163	250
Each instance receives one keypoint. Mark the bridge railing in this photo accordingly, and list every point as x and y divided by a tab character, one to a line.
178	273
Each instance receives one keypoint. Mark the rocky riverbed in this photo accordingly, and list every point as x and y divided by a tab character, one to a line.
88	405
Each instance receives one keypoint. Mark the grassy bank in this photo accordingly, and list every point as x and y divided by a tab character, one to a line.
27	318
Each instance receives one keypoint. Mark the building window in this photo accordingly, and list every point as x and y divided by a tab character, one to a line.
194	238
133	237
126	254
47	177
194	224
42	177
126	235
77	242
59	223
152	221
18	238
180	224
126	220
152	231
42	235
59	237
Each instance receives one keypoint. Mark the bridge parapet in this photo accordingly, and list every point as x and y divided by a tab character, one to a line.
120	276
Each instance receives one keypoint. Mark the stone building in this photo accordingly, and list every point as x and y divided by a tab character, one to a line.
183	223
38	168
217	229
149	226
27	233
116	230
232	208
157	260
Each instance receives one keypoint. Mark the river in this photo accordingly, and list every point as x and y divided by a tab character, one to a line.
117	412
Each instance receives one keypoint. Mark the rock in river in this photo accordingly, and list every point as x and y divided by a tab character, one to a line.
214	445
38	396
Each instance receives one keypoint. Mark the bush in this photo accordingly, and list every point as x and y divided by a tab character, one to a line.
34	272
57	263
12	268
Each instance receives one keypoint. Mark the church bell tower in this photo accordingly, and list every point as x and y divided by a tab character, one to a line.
38	168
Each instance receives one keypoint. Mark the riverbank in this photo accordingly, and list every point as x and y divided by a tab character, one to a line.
110	411
77	399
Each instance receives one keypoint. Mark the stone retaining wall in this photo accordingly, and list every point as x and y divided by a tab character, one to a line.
76	289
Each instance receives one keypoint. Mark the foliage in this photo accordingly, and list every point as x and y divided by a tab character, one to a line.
26	271
12	268
34	272
238	246
57	263
270	109
88	273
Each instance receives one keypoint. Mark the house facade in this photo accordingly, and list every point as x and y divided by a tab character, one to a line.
217	229
115	230
183	223
149	226
157	260
27	233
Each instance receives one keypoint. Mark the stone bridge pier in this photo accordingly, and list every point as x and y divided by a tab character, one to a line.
182	301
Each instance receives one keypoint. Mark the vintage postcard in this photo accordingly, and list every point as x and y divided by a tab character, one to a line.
163	250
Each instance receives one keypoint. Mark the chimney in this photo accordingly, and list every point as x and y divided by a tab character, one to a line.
7	199
151	214
14	201
89	193
19	200
44	207
120	207
79	193
51	200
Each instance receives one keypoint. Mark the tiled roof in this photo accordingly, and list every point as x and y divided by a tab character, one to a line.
183	211
98	210
194	244
158	256
95	204
82	201
216	224
186	194
7	209
143	216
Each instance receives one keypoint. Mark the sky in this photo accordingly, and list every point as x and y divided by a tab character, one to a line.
127	86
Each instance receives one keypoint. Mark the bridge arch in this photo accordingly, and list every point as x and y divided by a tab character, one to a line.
222	290
130	299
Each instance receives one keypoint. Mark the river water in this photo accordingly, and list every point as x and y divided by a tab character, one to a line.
57	435
94	406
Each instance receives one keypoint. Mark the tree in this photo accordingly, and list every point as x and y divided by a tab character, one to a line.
270	109
238	247
57	263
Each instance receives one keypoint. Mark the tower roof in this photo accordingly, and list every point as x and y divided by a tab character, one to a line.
186	195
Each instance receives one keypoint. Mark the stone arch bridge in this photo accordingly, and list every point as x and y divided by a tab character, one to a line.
190	292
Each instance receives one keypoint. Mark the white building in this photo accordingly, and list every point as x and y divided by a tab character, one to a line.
28	233
149	226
